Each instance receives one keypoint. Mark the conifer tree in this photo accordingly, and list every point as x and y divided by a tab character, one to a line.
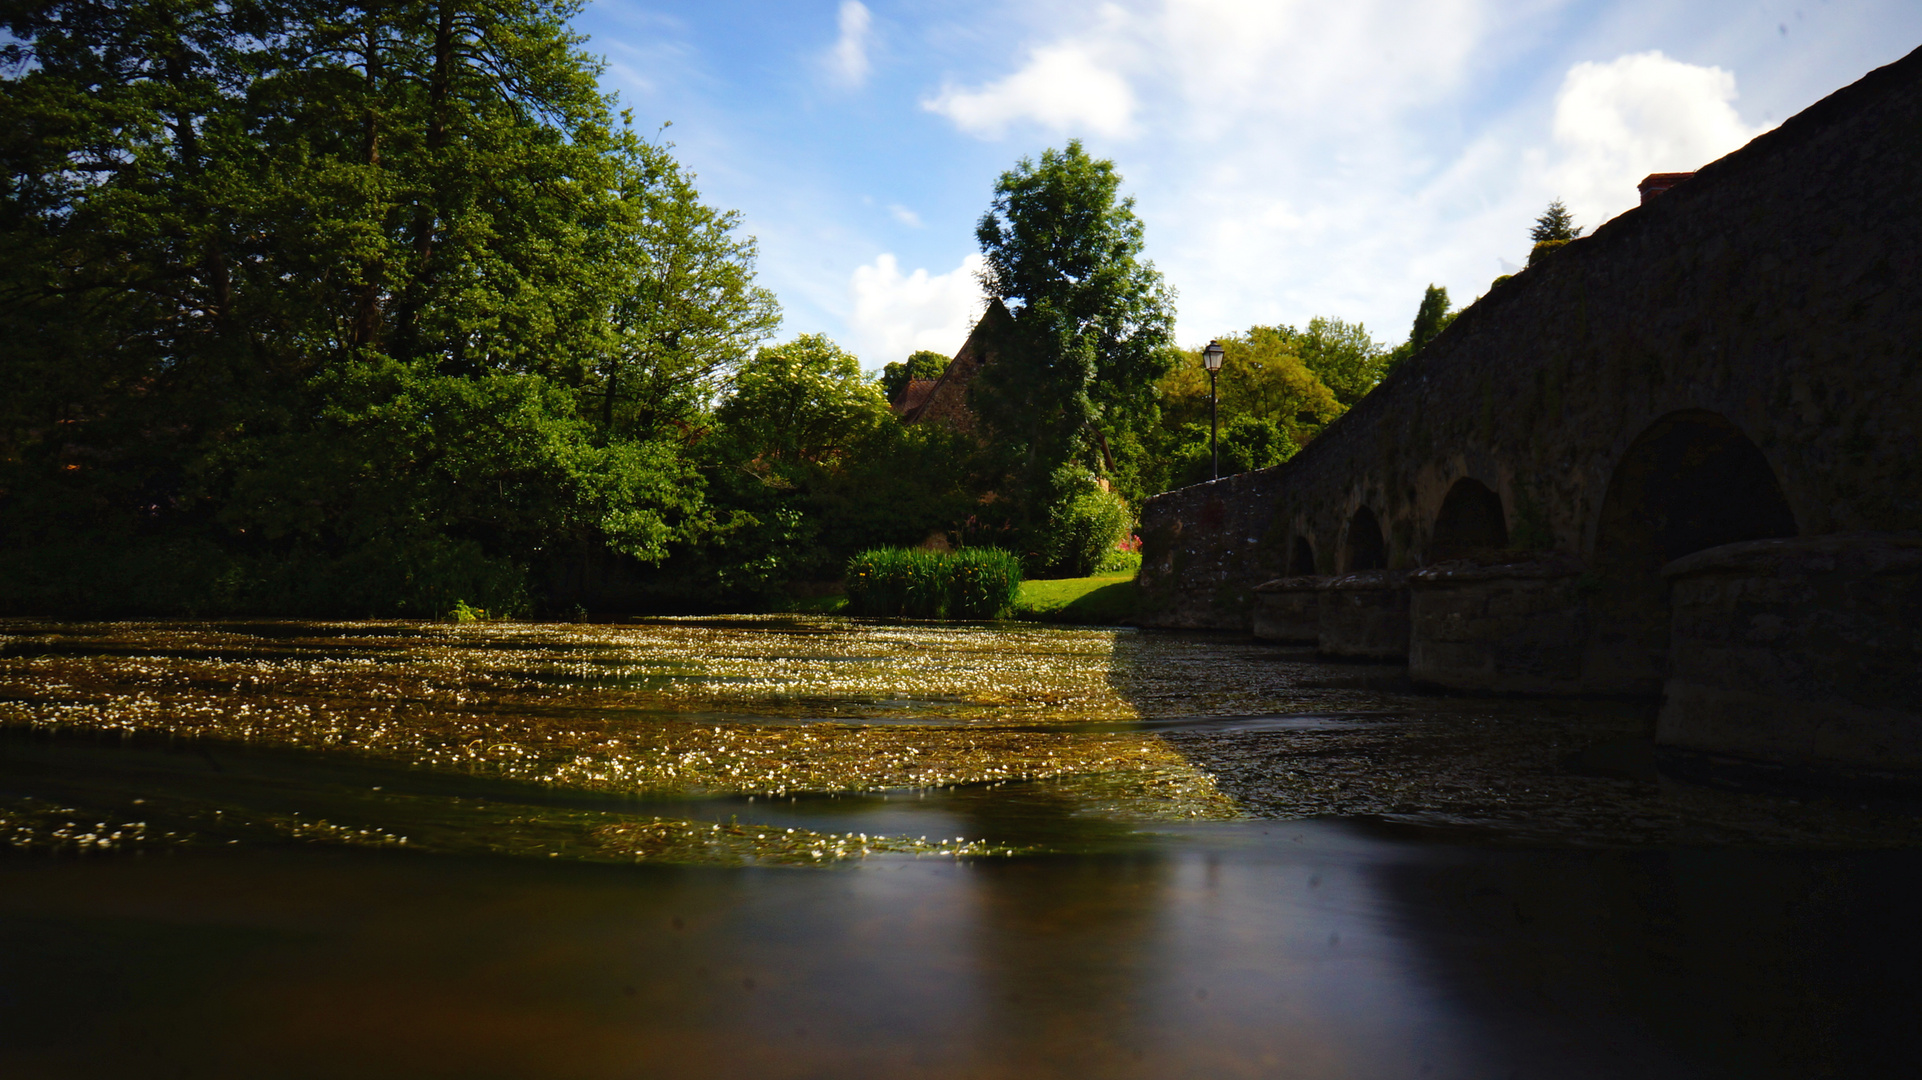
1556	223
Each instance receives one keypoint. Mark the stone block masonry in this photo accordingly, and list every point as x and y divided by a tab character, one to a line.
1737	359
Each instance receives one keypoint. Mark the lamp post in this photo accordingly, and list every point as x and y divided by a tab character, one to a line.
1211	357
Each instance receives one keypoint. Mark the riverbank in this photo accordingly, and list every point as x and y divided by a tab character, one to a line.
1101	600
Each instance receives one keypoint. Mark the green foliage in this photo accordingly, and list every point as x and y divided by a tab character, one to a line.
973	583
1262	377
1083	525
382	292
921	364
688	308
1543	249
799	407
1556	223
807	465
1343	356
1431	318
982	583
1092	320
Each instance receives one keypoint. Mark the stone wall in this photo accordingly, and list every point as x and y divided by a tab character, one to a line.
1773	301
1205	548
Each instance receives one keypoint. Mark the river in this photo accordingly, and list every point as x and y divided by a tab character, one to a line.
790	846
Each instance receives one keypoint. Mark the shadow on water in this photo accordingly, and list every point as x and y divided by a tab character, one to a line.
1602	913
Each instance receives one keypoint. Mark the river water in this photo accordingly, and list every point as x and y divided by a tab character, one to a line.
815	847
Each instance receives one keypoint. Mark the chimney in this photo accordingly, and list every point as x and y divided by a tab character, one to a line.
1656	183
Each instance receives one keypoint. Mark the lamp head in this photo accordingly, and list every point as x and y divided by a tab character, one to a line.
1211	356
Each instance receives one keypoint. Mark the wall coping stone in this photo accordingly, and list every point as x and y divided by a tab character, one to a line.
1861	552
1556	564
1305	583
1367	581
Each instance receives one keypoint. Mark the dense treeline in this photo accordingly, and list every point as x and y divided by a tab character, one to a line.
323	305
337	307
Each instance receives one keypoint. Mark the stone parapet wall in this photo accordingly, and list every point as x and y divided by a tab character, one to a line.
1204	549
1778	290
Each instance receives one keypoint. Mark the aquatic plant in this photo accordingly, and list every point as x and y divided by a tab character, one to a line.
973	583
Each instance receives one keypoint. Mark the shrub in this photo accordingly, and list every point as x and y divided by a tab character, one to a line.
973	583
1545	248
1083	528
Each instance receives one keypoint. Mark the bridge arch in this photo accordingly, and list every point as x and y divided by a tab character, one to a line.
1364	548
1471	519
1301	557
1690	481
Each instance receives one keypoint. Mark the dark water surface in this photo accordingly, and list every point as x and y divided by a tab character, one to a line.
807	847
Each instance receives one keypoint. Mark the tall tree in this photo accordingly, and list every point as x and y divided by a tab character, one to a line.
1431	318
1556	223
688	309
1093	320
361	287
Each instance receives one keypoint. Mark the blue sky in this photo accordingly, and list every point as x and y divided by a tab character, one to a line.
1289	159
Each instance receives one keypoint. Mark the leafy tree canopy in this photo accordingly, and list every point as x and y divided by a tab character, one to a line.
922	364
1262	376
368	288
1093	321
800	404
1342	355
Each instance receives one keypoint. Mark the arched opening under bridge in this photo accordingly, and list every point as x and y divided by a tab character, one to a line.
1691	481
1471	521
1365	549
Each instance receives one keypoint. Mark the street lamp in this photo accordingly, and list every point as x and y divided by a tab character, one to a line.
1211	357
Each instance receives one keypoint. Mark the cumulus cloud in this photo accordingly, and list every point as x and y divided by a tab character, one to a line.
904	215
848	60
1064	88
1617	122
894	313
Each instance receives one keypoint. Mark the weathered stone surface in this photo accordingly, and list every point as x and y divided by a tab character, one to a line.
1800	652
1205	548
1364	616
1515	627
1288	610
1777	293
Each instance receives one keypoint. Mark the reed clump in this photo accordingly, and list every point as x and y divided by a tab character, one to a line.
972	583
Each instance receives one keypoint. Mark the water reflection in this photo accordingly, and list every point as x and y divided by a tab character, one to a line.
814	847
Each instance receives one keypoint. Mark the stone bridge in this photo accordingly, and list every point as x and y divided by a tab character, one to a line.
1679	459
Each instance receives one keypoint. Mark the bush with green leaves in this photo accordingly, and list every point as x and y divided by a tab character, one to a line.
973	583
982	582
1084	524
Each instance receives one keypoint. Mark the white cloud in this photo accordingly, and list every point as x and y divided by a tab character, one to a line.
895	314
848	60
904	215
1617	122
1063	87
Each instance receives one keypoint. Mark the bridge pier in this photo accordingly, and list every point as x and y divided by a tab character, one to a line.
1802	653
1288	610
1364	616
1514	628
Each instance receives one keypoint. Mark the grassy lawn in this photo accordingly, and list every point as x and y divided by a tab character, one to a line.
1109	598
1104	599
